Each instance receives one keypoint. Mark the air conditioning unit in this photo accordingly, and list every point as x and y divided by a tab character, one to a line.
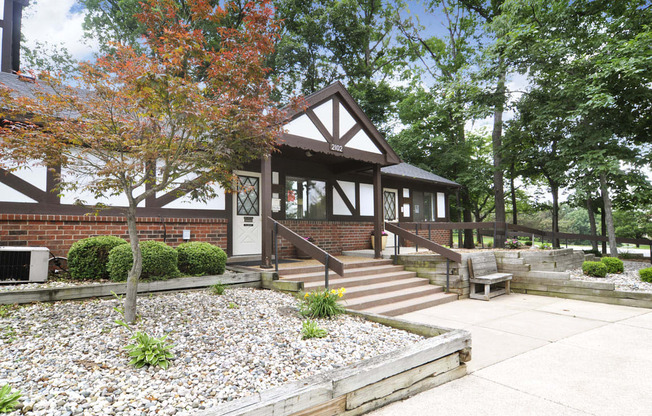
23	264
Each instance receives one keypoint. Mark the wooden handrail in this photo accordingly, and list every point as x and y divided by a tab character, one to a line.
309	248
424	242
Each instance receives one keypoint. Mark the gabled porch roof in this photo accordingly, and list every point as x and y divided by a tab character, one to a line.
332	123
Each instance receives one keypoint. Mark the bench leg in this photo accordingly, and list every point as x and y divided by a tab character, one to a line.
508	285
487	291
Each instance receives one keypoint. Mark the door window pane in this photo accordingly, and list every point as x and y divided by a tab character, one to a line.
428	206
248	195
305	199
389	205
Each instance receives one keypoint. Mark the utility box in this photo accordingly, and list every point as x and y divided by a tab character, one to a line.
23	264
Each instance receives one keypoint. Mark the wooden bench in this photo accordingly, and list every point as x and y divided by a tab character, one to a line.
483	270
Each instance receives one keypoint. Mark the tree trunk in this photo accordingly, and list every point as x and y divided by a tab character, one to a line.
468	233
513	194
496	139
608	217
594	232
136	268
603	231
554	189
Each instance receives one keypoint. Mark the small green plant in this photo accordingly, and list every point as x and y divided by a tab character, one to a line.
146	350
8	400
87	258
545	246
217	289
626	255
528	243
5	310
232	305
646	274
512	243
322	303
613	264
594	268
310	329
9	334
197	258
159	261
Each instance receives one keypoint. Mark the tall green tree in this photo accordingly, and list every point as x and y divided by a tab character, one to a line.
436	116
592	57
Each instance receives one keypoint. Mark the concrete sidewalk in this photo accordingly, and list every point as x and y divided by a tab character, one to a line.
535	355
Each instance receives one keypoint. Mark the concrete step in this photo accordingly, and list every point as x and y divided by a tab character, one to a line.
354	272
360	280
411	305
393	297
320	268
384	287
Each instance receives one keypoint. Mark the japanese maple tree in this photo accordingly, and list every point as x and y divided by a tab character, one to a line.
180	114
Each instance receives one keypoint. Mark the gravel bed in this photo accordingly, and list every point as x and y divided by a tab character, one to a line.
628	281
67	358
6	286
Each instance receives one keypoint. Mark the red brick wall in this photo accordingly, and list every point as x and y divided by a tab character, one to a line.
442	237
58	232
332	236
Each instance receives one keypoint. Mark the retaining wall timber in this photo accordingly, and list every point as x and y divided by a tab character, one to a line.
368	385
251	279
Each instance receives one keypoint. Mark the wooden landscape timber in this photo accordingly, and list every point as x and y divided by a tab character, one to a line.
105	290
367	385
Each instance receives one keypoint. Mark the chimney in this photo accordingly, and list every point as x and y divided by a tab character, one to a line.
10	24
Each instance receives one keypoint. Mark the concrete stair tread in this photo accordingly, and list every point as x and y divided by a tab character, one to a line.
411	305
358	271
384	287
360	280
347	266
396	295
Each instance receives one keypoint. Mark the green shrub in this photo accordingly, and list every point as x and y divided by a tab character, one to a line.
217	289
8	400
613	264
528	243
310	329
594	268
198	258
322	303
87	258
646	274
159	261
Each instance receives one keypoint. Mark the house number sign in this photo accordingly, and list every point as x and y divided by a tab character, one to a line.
337	147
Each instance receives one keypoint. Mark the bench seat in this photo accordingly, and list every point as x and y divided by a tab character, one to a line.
487	275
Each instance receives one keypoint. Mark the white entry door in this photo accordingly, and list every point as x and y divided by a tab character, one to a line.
390	211
247	224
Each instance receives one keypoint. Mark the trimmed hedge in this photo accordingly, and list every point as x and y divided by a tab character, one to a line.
197	258
87	258
594	268
646	274
614	265
159	261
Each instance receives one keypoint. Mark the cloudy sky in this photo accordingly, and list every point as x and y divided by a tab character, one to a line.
57	22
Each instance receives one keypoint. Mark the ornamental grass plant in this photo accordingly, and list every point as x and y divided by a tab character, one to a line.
322	303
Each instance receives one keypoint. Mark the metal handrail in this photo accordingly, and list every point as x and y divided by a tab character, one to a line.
307	247
448	254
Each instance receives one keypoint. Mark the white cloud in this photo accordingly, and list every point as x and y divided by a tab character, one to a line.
57	22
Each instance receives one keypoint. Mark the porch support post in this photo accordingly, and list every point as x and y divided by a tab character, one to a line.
266	210
378	213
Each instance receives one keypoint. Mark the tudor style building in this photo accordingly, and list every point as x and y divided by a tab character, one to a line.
334	178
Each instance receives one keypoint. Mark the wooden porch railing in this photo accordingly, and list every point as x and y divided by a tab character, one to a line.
307	247
515	229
